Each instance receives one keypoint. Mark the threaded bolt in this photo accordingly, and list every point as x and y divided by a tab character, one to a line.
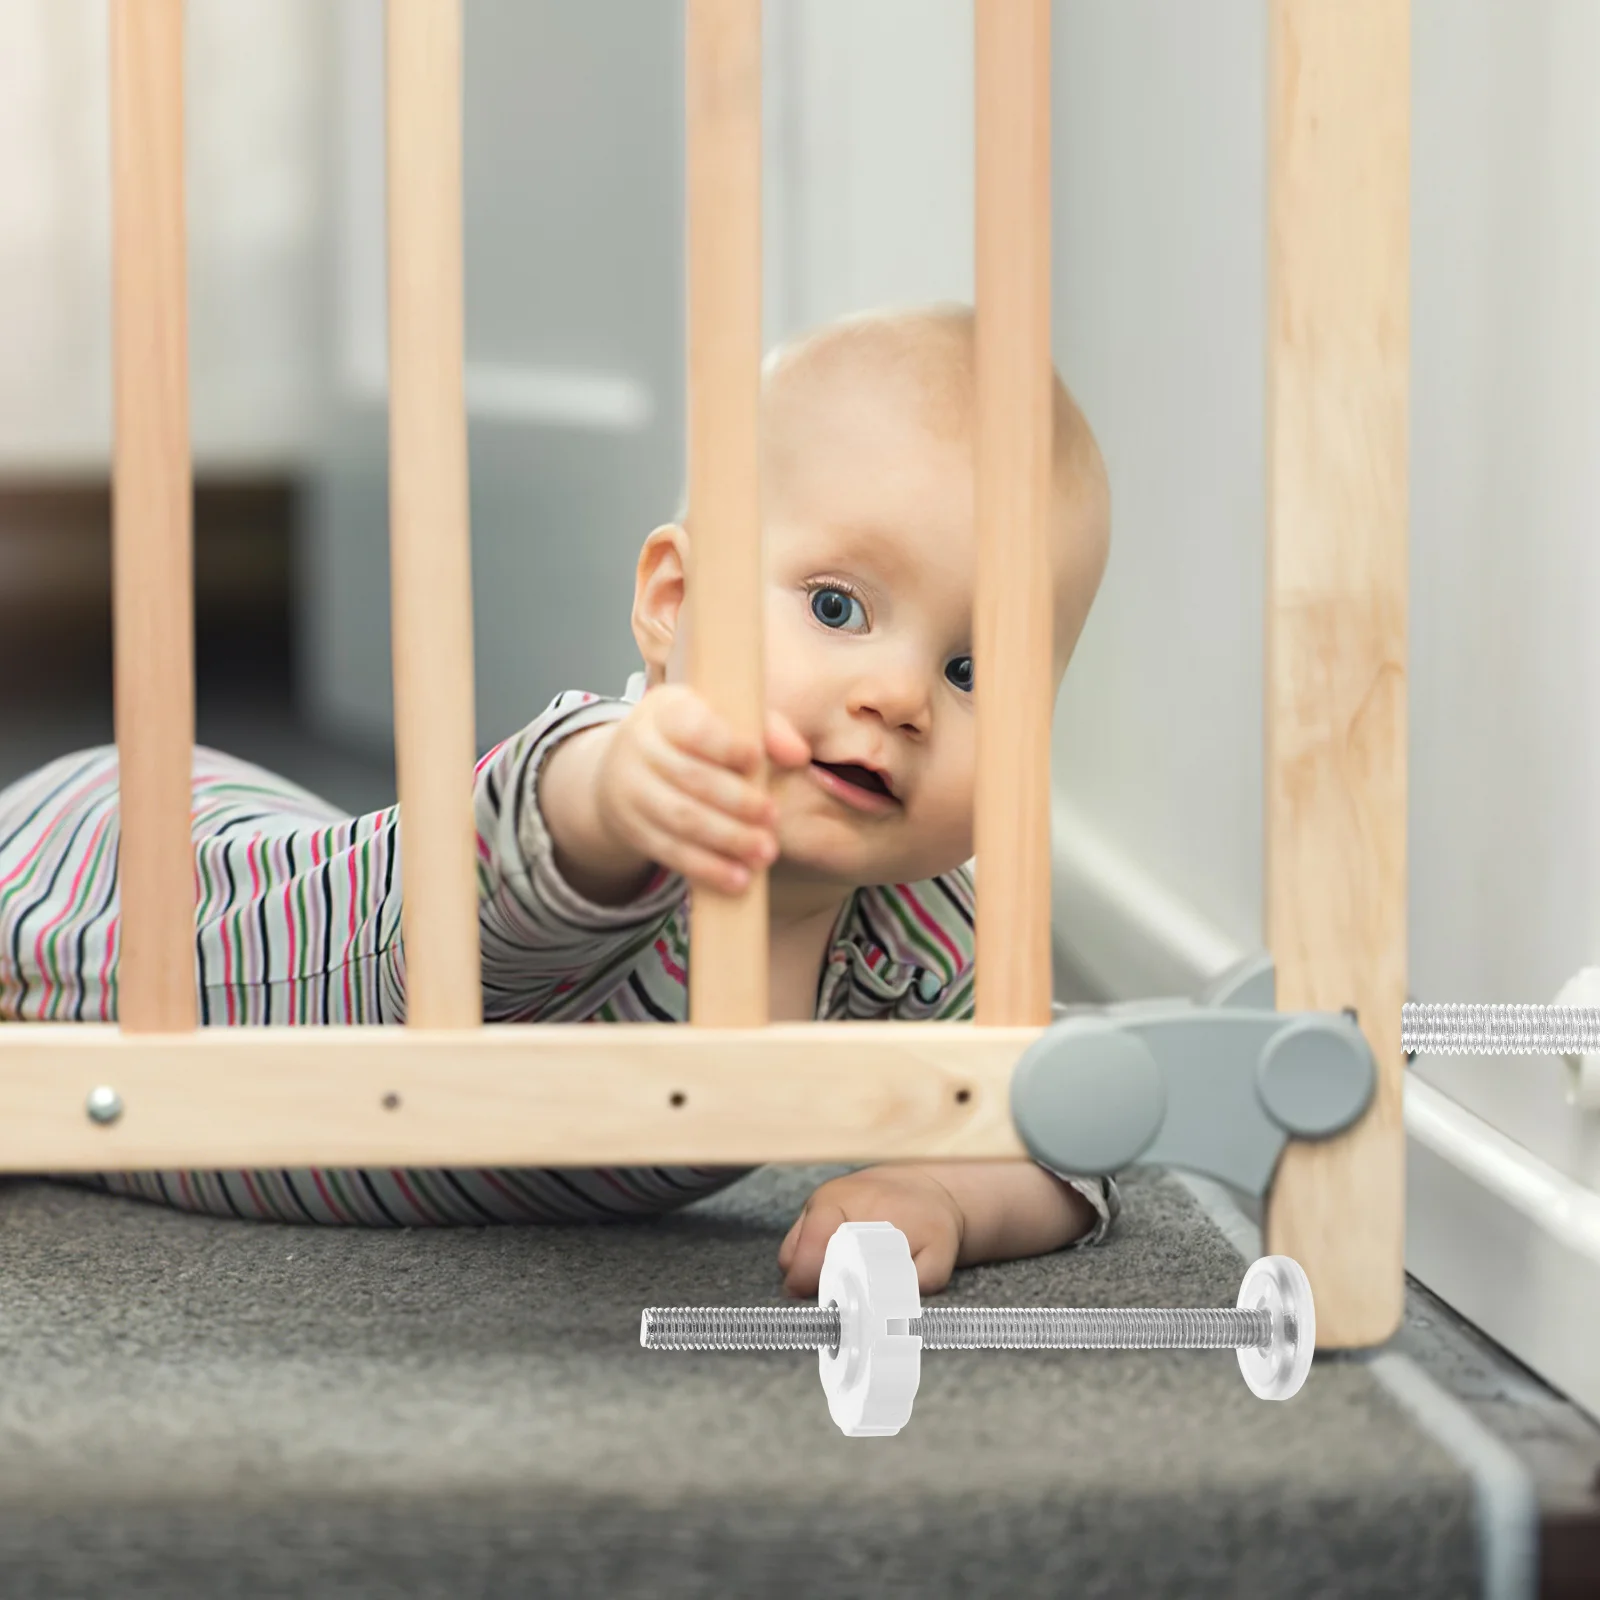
959	1328
740	1328
1501	1030
869	1328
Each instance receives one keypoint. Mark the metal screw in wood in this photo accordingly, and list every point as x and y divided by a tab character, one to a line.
104	1104
869	1328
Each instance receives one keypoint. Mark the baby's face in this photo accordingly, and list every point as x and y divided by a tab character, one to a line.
871	566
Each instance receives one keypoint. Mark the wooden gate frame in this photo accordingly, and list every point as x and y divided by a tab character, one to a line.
729	1087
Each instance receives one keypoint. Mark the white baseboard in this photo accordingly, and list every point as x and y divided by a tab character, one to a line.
1503	1237
1510	1242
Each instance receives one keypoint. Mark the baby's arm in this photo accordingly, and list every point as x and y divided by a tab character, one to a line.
953	1214
600	868
1011	1209
592	823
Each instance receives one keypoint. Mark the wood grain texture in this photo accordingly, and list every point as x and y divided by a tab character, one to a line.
152	557
430	552
545	1094
1012	645
1336	617
728	970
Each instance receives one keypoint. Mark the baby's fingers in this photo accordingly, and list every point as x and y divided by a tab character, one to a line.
807	1247
690	725
702	868
784	743
703	780
686	829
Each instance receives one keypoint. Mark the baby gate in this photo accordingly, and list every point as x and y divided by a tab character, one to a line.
730	1087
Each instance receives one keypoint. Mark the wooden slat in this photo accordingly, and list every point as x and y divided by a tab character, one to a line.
430	558
1012	643
1336	616
728	971
511	1095
152	529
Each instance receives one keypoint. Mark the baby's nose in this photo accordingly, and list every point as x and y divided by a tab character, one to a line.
901	699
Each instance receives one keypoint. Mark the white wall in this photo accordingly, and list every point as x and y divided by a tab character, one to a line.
573	220
1159	273
1505	820
257	93
869	169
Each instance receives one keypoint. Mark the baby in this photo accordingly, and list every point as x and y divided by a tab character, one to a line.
596	821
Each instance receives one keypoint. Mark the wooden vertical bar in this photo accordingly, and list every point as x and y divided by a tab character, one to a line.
1012	645
430	560
728	972
152	529
1338	332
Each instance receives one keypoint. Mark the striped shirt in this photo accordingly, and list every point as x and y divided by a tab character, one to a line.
298	923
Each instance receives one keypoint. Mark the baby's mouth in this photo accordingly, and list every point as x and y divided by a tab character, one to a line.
859	777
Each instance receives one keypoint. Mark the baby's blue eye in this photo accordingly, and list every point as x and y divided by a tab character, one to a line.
959	672
831	607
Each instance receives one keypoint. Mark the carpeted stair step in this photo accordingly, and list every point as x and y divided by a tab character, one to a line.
193	1405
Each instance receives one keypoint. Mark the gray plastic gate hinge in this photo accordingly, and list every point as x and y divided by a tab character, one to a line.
1217	1085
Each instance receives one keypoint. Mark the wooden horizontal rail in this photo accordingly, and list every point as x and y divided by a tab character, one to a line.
566	1094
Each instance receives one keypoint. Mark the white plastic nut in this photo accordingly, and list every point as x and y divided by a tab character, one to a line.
1279	1285
1583	1071
867	1271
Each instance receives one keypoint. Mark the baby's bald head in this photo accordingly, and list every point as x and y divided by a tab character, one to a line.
891	376
867	427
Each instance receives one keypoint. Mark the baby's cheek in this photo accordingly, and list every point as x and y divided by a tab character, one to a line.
957	828
785	651
936	832
951	785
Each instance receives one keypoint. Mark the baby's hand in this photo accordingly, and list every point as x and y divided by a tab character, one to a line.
917	1204
681	788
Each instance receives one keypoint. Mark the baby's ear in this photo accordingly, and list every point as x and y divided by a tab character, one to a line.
659	593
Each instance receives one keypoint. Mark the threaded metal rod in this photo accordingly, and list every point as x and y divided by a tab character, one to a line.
1057	1328
1505	1030
741	1328
960	1328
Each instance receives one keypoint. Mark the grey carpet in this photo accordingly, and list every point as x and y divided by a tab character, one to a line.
194	1406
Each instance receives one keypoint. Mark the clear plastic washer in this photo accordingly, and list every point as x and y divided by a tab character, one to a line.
1279	1284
